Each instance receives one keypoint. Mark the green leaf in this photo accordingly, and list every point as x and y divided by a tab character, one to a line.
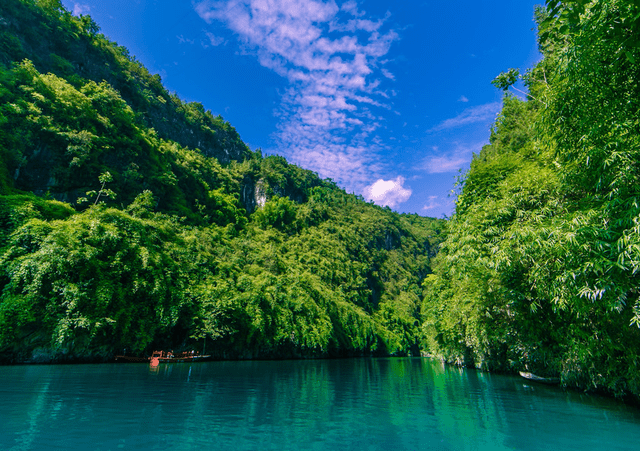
630	57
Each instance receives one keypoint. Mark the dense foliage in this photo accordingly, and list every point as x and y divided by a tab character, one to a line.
540	270
129	219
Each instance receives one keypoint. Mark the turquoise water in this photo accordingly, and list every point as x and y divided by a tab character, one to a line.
360	404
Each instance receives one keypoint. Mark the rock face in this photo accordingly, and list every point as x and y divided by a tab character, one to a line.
253	194
213	136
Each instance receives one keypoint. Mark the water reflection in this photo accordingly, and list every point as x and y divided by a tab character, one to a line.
371	404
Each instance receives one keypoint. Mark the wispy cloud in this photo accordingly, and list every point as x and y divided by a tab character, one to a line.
452	160
388	192
80	9
480	113
213	40
445	163
463	99
432	203
332	56
183	40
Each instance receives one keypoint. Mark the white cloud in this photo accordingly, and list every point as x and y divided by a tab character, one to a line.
332	58
454	159
213	39
481	113
388	74
80	9
432	203
445	163
388	192
352	7
463	99
183	40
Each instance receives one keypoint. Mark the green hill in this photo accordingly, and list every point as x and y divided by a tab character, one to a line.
540	270
130	219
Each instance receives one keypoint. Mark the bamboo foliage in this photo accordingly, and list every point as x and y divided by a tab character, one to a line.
539	271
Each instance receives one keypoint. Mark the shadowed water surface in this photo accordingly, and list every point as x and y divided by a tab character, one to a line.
360	404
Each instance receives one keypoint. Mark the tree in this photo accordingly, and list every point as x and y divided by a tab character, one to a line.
104	178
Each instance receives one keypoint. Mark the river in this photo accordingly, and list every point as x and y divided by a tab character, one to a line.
351	404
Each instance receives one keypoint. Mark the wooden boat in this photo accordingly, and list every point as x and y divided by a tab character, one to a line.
130	358
542	380
164	357
169	357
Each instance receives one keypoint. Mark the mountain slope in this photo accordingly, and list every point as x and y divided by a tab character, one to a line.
540	268
130	219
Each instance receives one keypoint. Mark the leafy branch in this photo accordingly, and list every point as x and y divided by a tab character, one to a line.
104	178
508	79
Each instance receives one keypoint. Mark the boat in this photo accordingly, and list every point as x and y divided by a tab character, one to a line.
542	380
130	358
169	357
158	357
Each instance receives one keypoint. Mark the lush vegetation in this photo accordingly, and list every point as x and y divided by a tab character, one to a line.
540	270
129	219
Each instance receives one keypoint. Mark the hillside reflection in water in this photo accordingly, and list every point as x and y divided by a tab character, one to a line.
356	404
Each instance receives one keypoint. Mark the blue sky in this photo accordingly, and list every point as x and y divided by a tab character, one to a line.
388	99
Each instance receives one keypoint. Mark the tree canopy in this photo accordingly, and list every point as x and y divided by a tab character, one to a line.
131	219
539	271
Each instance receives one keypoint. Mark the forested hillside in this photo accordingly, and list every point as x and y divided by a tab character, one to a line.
131	219
540	269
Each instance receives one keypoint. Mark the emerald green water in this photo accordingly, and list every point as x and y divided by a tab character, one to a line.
360	404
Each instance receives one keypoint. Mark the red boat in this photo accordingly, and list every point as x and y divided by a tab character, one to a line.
169	357
164	357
